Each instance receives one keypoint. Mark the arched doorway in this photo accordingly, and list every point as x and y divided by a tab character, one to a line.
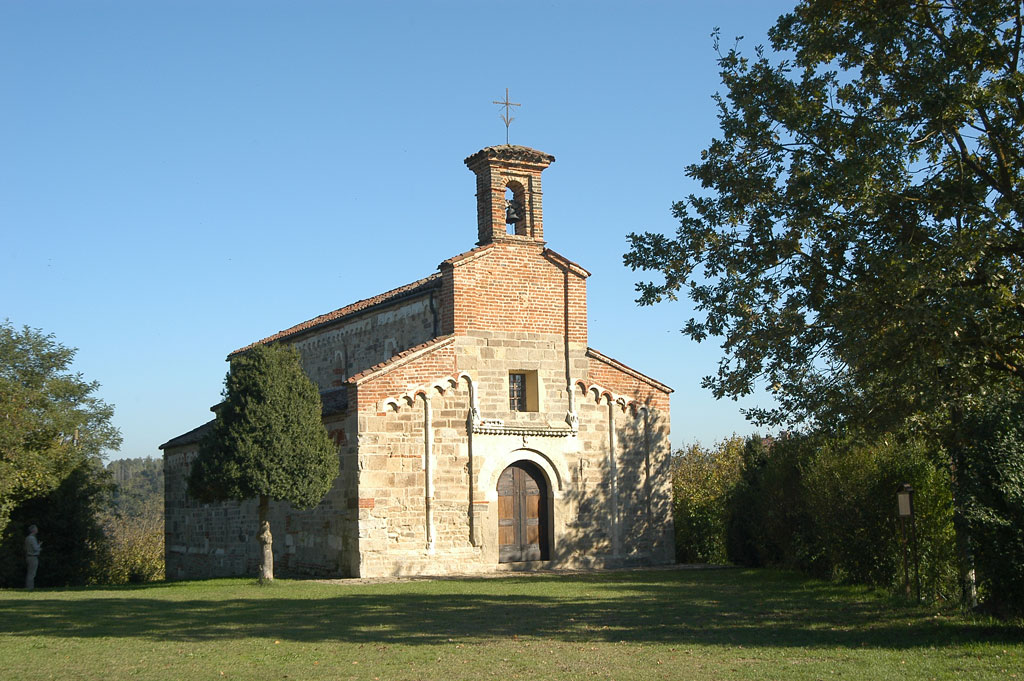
523	526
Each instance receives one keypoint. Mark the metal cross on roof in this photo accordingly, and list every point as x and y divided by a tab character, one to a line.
505	116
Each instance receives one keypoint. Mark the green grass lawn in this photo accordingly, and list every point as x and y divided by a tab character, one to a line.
664	624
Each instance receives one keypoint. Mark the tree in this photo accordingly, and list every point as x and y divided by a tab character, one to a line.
858	246
702	479
268	441
50	419
994	483
140	486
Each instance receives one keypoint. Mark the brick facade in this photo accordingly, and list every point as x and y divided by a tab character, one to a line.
416	393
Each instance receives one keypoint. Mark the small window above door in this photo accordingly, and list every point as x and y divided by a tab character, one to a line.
522	391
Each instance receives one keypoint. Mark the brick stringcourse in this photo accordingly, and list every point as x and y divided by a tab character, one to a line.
565	263
440	386
482	426
469	256
599	392
477	425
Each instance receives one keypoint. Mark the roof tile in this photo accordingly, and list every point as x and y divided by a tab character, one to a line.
358	306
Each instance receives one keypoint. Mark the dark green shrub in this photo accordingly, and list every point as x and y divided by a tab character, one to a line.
993	485
850	489
827	506
765	512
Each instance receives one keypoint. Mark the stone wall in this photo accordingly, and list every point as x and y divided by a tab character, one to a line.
219	539
393	522
605	509
628	465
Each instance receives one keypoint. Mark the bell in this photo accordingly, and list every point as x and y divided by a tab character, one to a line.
512	215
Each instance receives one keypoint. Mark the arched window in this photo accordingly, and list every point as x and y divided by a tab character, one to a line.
515	209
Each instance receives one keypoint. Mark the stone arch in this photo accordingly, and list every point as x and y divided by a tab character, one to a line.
518	191
557	473
439	387
525	511
474	409
602	395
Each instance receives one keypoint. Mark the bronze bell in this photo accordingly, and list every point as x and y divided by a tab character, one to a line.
512	210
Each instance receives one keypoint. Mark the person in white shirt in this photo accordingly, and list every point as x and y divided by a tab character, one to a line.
32	549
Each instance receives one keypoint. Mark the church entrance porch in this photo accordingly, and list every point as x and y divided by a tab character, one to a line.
523	518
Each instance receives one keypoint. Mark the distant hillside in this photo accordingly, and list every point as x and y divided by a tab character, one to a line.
134	522
140	486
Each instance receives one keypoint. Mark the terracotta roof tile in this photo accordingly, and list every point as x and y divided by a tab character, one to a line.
332	402
415	287
510	152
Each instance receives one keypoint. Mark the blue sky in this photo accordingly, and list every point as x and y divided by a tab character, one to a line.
179	179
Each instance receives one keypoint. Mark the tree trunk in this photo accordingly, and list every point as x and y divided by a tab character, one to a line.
965	559
266	542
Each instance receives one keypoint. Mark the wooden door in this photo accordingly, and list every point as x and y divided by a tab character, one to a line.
522	514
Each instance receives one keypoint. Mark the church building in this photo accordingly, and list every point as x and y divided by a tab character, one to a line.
477	430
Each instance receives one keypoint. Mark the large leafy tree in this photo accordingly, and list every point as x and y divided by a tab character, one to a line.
51	422
70	521
268	441
858	244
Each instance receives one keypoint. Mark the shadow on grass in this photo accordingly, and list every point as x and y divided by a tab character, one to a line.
712	607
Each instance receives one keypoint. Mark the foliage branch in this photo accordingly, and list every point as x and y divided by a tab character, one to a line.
858	246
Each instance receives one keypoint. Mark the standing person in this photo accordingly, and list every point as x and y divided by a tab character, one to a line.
32	548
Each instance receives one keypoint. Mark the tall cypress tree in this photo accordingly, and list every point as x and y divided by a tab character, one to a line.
268	441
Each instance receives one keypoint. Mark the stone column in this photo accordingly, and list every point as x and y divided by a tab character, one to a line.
647	467
475	510
613	472
428	470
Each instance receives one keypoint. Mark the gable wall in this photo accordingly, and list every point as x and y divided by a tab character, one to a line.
331	355
623	383
511	285
640	519
434	364
393	490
